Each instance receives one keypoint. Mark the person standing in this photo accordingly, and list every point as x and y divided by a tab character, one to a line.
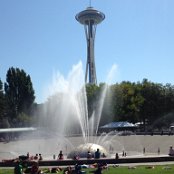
116	156
97	154
40	157
60	156
89	155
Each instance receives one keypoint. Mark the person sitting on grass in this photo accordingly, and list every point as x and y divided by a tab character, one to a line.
18	168
78	169
56	170
35	168
68	170
98	170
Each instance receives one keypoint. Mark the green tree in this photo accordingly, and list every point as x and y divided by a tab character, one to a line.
168	98
153	96
131	102
2	101
19	92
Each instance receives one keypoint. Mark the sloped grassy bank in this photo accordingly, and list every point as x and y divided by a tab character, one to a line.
145	169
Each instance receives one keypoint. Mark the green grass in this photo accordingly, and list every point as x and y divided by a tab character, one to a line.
140	170
121	170
6	171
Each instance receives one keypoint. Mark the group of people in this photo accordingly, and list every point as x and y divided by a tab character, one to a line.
96	155
36	157
34	169
78	169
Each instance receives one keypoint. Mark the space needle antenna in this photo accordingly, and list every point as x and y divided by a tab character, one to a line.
89	3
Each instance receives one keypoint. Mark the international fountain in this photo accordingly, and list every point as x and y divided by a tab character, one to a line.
68	110
64	125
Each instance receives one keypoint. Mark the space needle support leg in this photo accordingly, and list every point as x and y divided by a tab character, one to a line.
87	39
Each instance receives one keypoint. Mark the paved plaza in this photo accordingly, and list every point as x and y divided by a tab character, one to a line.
133	145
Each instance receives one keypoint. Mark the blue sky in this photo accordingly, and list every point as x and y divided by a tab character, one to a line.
42	36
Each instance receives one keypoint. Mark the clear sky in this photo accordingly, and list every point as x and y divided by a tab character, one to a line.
42	36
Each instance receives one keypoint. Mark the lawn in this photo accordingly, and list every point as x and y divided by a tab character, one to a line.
159	169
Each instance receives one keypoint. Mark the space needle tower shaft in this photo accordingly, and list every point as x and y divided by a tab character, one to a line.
90	18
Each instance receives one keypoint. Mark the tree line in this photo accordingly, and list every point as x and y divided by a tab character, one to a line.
16	99
146	102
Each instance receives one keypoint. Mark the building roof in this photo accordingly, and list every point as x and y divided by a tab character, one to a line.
119	124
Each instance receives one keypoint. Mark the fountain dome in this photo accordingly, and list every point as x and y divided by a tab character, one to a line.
83	149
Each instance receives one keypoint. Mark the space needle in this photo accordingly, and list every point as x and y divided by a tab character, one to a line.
90	18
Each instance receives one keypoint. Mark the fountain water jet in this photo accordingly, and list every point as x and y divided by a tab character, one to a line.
66	110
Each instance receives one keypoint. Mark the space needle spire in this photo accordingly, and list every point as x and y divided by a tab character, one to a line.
89	3
90	18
